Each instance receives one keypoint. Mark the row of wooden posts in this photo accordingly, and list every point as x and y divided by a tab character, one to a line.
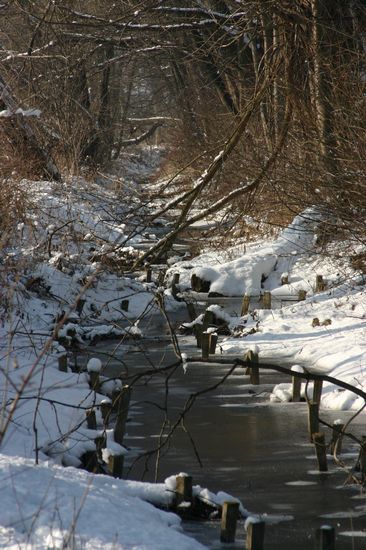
255	530
118	407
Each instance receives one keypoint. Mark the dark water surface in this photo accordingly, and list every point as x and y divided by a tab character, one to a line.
255	450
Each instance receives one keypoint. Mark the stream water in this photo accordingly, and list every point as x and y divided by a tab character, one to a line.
255	450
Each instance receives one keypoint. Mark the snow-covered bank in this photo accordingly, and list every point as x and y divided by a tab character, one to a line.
54	507
324	333
69	257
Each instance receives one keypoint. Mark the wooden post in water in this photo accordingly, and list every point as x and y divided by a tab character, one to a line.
296	384
301	295
229	517
62	363
320	284
115	465
205	345
245	305
91	420
208	319
100	444
213	342
363	458
252	369
321	451
336	442
198	330
94	381
325	538
106	409
184	489
120	402
255	535
317	391
313	419
191	311
267	300
175	282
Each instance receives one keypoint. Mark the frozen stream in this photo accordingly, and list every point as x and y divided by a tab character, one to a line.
250	448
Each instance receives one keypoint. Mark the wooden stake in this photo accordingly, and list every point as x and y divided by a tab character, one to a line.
115	465
284	279
229	517
100	443
191	311
121	401
338	427
313	419
267	300
198	329
91	420
62	363
301	295
79	306
205	345
148	275
184	489
255	535
106	409
321	451
213	342
208	320
325	538
94	381
320	284
317	391
252	369
296	389
363	458
124	305
245	305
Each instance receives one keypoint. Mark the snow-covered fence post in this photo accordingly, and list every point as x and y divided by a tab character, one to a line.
245	305
320	284
62	363
313	419
267	300
284	279
317	391
296	384
321	451
115	465
229	516
91	420
336	442
252	369
255	535
120	402
184	492
325	538
301	296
